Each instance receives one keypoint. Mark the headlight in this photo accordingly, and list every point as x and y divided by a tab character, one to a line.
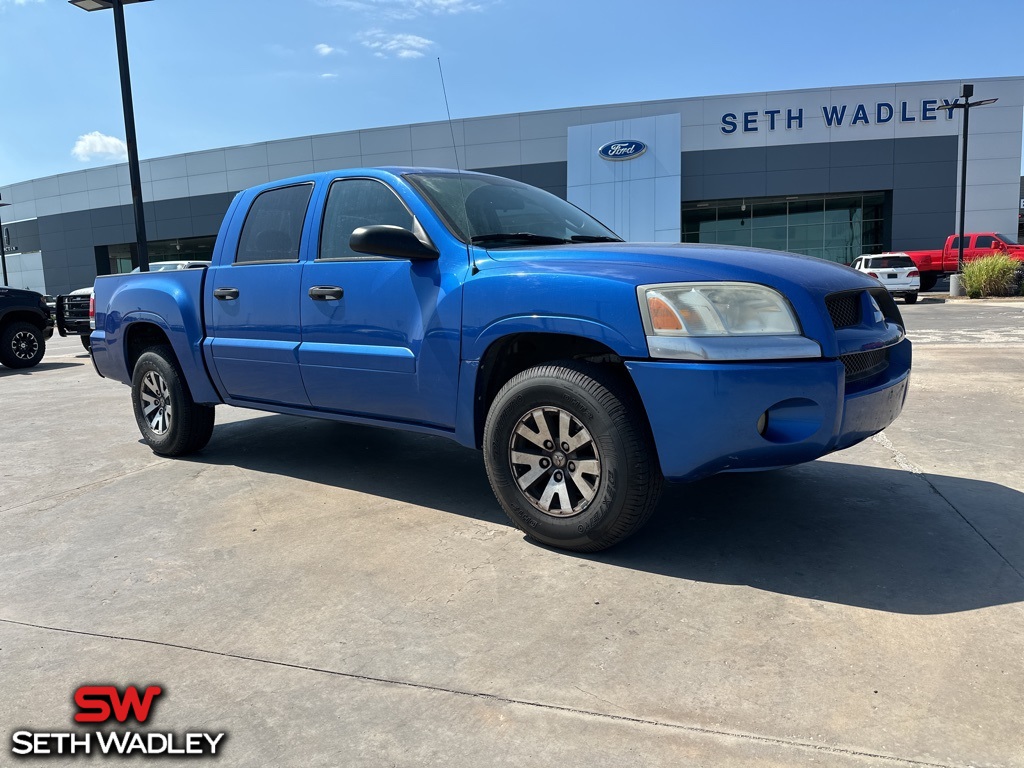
716	309
721	321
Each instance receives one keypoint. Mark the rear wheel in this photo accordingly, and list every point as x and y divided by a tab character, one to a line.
86	342
910	298
171	423
928	280
570	457
22	345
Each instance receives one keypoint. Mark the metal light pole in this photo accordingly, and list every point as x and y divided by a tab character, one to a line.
129	117
3	245
967	90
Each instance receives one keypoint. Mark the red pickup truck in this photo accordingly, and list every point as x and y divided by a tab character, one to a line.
934	264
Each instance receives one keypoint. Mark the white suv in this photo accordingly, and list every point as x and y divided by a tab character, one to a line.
896	271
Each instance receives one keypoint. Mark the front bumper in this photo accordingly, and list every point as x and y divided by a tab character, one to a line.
707	417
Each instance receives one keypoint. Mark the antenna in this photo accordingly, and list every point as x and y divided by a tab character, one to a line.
451	125
458	168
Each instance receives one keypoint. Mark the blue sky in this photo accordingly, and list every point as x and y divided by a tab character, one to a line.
213	73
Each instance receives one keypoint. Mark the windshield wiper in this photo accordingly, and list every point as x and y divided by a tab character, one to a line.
595	239
520	237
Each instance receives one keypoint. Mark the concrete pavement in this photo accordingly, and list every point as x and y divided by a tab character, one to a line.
337	595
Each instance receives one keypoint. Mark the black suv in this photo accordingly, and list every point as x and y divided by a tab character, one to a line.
25	325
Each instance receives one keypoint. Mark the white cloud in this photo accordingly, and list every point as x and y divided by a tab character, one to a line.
384	44
4	3
406	9
329	75
99	146
323	49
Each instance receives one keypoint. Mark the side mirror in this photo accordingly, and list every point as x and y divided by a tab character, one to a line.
389	240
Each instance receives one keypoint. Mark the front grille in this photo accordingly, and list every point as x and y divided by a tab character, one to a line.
844	309
76	307
864	365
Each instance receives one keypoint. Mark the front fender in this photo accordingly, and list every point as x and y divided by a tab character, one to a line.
473	351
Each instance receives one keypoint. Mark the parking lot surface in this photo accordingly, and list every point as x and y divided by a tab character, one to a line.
338	595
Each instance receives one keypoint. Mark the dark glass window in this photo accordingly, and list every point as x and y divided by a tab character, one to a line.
354	203
834	227
273	226
984	241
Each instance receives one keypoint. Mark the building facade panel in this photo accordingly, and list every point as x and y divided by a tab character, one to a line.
884	154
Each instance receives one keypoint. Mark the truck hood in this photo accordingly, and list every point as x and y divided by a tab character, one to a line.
643	263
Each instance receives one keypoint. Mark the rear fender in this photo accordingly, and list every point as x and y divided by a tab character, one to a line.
187	349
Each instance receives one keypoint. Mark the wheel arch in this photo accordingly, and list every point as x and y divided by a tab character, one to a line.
143	331
511	354
18	315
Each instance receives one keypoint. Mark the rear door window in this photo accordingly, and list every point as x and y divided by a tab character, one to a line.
273	227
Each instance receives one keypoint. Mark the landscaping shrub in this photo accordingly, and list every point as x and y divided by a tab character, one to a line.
994	275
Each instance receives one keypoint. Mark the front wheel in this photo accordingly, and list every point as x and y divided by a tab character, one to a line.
570	457
22	345
171	423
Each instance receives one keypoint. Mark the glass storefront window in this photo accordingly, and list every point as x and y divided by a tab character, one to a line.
769	215
123	257
834	227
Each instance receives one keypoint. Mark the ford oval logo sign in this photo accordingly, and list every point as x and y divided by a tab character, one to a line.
622	150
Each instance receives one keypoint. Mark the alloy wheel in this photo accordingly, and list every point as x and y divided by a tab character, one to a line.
157	408
555	461
25	345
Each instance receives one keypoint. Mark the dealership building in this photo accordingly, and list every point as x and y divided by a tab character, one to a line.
832	172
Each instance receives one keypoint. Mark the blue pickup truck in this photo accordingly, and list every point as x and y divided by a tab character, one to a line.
587	369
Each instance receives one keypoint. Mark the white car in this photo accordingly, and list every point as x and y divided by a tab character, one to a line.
165	266
896	271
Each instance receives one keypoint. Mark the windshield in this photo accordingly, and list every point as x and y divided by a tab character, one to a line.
498	212
1006	239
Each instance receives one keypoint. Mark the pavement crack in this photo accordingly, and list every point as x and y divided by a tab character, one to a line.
906	464
508	700
84	486
595	696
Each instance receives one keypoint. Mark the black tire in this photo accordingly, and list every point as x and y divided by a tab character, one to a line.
86	342
609	432
910	298
22	345
928	280
171	423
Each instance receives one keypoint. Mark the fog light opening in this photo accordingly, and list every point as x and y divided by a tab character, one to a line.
792	421
762	423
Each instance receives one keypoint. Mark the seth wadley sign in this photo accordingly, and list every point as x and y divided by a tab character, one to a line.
879	113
